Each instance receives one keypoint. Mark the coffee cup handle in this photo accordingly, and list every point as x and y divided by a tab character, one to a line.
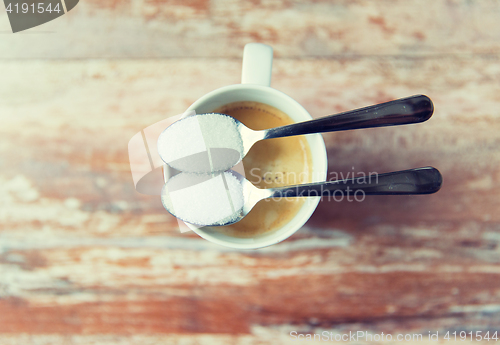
257	64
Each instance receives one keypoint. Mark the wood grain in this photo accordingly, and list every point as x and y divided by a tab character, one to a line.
295	28
85	259
83	253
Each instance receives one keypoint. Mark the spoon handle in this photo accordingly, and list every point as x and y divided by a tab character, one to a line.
414	181
402	111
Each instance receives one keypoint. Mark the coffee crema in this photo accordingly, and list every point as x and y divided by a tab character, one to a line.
270	163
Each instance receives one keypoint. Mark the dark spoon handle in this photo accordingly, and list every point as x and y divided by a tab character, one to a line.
402	111
414	181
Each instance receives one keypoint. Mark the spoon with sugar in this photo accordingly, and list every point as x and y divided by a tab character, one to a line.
226	198
206	143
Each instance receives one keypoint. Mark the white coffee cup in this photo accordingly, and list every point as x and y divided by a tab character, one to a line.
255	87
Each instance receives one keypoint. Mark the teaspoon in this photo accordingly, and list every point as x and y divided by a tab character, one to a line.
425	180
206	143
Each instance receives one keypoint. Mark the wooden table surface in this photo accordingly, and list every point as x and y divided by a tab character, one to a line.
85	259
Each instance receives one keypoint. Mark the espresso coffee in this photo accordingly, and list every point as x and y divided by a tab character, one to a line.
269	163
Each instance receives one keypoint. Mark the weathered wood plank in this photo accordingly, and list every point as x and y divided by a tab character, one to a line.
220	28
82	254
